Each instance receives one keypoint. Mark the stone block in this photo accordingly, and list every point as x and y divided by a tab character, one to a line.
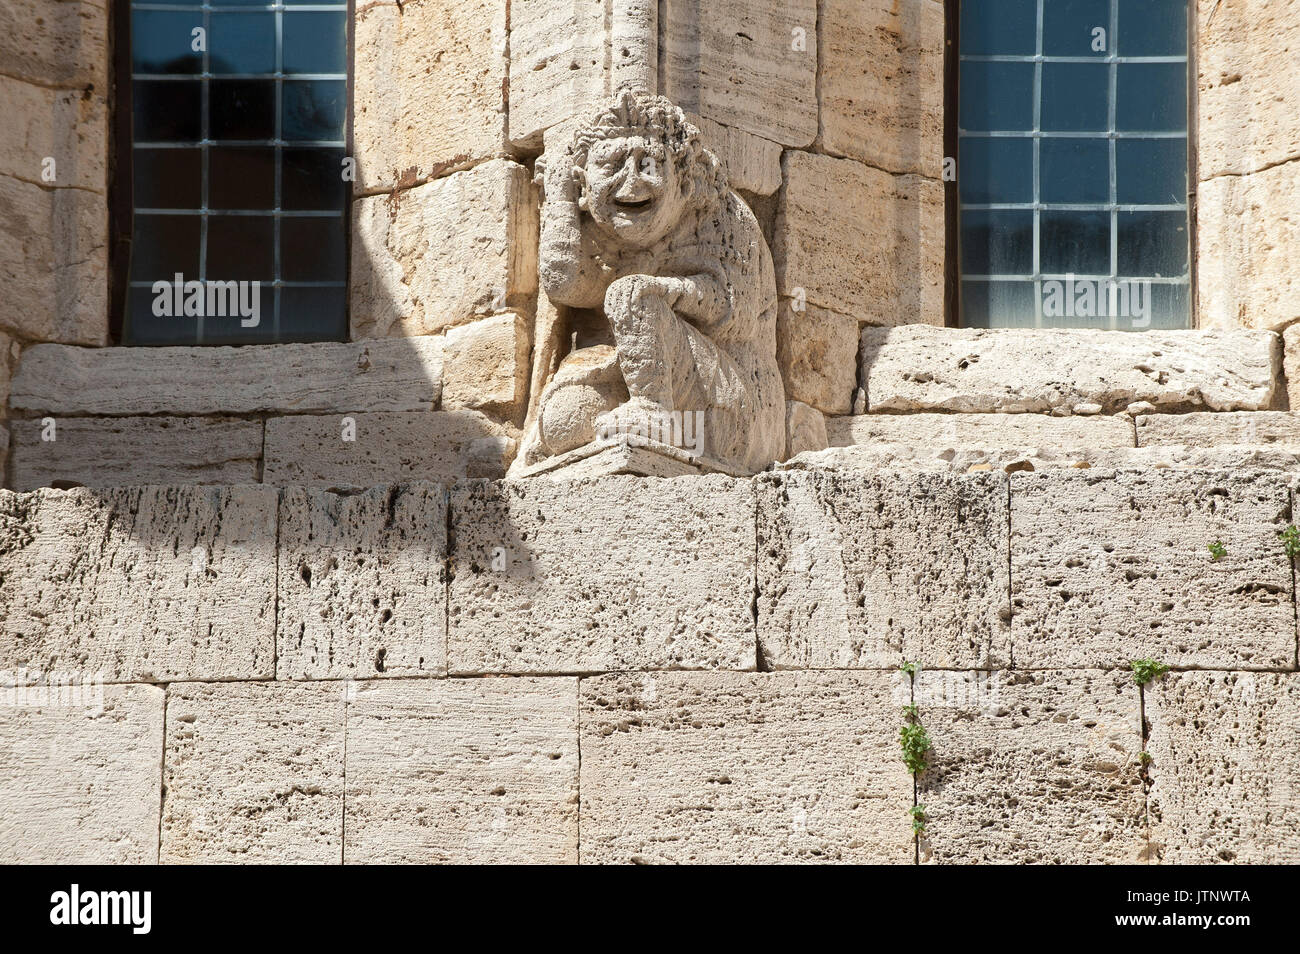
817	352
441	254
129	451
607	573
859	241
753	164
1025	370
429	89
1248	238
1225	782
1109	567
68	126
1205	429
362	588
63	44
986	430
743	768
253	774
139	584
321	378
387	448
748	64
882	83
1247	81
485	366
53	263
469	771
864	571
79	775
568	56
805	428
1031	768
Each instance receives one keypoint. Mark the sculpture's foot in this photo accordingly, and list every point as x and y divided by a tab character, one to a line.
641	422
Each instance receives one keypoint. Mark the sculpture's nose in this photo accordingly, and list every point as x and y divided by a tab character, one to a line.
633	188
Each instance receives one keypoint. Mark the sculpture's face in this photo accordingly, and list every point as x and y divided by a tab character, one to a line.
632	189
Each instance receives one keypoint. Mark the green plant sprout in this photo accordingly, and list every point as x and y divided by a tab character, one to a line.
910	668
1290	540
1144	670
1217	550
918	819
915	742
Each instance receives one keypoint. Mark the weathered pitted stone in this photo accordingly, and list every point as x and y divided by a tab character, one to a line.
615	573
745	63
986	430
129	451
1248	237
1207	429
882	83
805	428
1246	61
638	220
917	368
868	571
752	163
63	44
430	84
1225	782
817	352
362	588
253	772
732	767
566	57
442	254
79	783
386	448
321	378
1109	567
463	771
67	126
145	583
1031	768
859	241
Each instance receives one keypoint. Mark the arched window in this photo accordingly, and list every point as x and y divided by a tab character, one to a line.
1073	167
239	179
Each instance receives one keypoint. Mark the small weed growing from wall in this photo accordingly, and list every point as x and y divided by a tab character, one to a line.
1217	550
915	742
918	819
910	668
1290	540
1144	670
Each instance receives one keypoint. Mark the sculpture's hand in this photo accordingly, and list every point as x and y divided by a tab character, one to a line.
632	292
698	299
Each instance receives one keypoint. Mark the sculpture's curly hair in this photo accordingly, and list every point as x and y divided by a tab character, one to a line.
635	113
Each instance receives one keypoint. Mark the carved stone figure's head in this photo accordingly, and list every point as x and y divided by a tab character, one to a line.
640	167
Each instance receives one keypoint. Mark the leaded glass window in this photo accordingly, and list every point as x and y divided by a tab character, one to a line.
239	172
1073	164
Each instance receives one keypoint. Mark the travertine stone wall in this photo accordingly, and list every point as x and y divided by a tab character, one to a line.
321	657
1248	163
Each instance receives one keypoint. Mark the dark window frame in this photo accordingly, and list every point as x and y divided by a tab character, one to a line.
120	169
951	144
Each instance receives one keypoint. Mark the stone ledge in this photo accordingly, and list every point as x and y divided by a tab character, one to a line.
1004	430
399	374
919	368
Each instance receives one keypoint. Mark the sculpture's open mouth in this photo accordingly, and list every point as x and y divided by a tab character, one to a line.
634	205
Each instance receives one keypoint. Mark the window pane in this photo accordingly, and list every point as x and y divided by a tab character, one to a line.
1151	171
996	170
308	314
1075	97
314	109
161	42
1153	243
312	249
314	43
242	43
1152	27
998	27
1075	243
241	177
165	245
997	96
168	179
1068	26
1152	97
997	304
997	243
312	178
242	109
1075	170
167	110
241	248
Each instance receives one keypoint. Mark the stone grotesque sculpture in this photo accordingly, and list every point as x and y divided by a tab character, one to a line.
663	298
